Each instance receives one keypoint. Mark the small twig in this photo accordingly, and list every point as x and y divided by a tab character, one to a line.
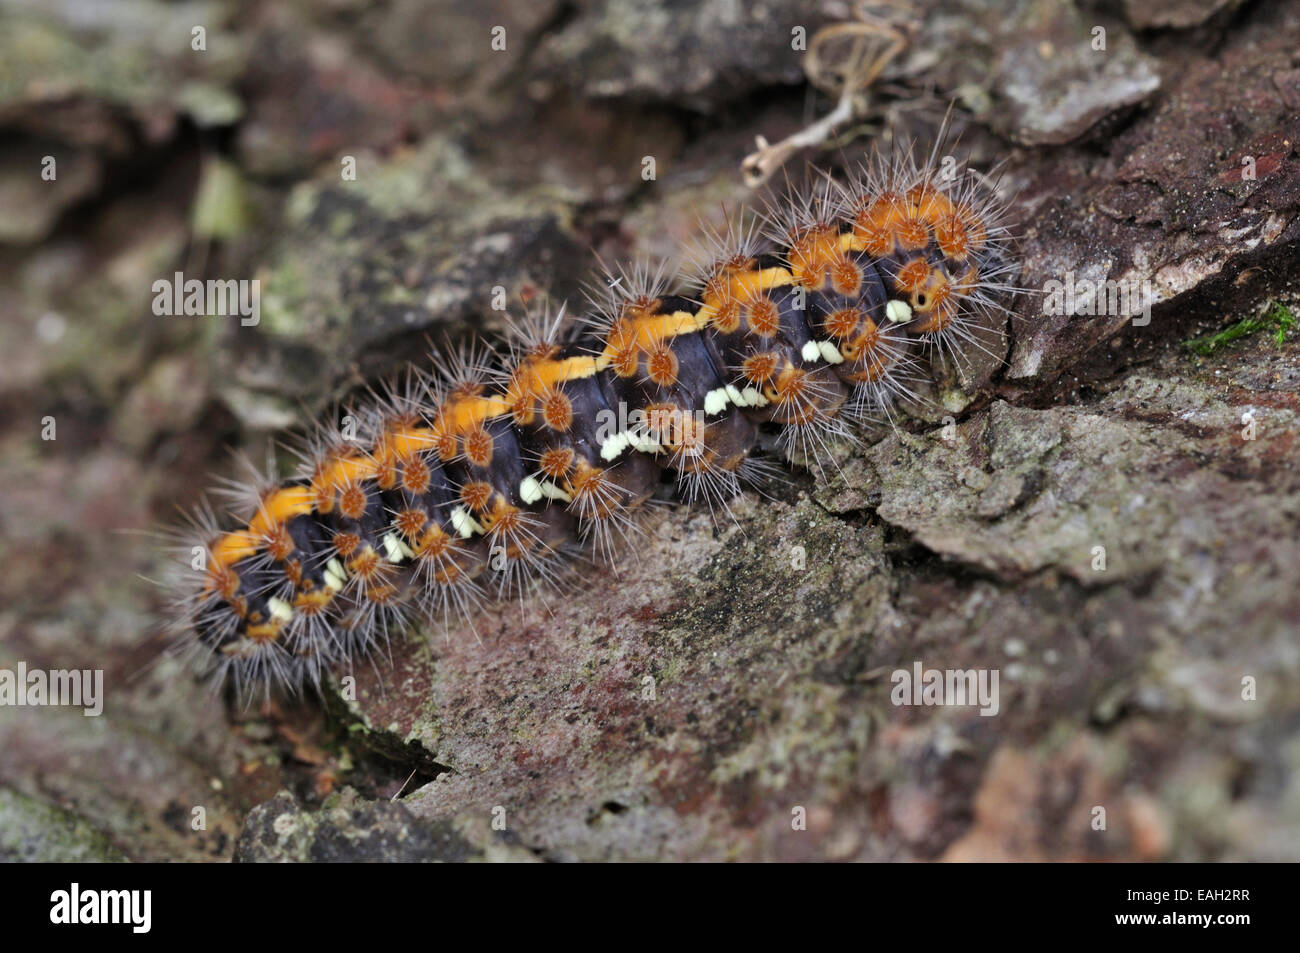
759	165
848	78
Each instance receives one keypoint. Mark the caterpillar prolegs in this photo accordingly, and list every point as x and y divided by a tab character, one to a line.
471	479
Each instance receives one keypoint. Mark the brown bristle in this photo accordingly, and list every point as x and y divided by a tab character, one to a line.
366	564
842	322
640	307
846	277
661	366
625	362
764	318
385	474
381	595
446	445
759	368
912	234
352	501
727	316
951	236
814	253
555	463
557	411
588	484
913	275
345	544
225	582
434	542
415	475
478	447
973	222
279	544
476	495
409	522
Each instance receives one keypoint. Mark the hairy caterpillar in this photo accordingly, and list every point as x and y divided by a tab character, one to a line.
473	481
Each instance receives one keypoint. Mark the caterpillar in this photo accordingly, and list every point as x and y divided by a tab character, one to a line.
478	479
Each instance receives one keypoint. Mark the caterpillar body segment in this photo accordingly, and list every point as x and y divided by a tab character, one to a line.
475	479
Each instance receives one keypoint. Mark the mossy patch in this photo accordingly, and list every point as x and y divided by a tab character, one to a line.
1277	320
33	831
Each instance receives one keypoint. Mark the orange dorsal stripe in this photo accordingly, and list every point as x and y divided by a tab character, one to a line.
647	333
231	548
460	415
281	506
750	284
406	441
464	414
548	373
338	474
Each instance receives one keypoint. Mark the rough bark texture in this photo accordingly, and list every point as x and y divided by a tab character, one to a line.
727	693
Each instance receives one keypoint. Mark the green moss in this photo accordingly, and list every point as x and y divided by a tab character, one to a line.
1277	320
33	831
1284	322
